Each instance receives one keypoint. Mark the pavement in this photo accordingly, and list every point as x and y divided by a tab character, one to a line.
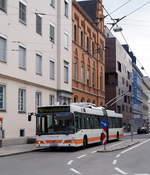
17	149
119	145
25	148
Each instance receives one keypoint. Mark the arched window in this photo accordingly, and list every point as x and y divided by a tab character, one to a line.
94	102
75	99
82	99
88	100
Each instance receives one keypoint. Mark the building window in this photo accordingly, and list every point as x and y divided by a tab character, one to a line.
2	97
128	73
22	13
22	132
75	33
66	40
2	49
88	77
119	66
125	99
88	45
52	70
82	73
3	5
66	72
22	100
52	33
93	49
75	99
66	8
38	100
51	99
38	24
93	77
119	109
82	39
38	64
75	73
52	3
22	57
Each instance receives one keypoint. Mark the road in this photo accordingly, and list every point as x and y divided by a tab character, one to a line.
132	161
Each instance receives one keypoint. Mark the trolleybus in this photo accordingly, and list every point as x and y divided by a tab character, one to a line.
77	124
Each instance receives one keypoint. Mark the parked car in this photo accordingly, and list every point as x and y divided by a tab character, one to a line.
142	130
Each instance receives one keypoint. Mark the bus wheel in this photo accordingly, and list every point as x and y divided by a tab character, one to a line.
117	135
85	142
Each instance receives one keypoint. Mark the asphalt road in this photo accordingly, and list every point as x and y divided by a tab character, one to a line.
132	161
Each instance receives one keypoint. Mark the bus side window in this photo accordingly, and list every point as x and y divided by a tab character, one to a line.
96	122
76	122
92	121
87	122
83	122
113	122
110	122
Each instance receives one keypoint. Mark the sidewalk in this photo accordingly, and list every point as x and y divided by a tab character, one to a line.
17	149
119	145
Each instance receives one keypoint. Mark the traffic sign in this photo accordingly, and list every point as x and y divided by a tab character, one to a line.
104	123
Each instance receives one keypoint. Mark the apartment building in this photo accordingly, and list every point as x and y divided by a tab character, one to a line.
88	52
118	78
35	60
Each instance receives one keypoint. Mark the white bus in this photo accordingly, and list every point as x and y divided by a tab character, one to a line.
77	124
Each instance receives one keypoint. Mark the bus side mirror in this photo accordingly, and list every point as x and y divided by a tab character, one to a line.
30	117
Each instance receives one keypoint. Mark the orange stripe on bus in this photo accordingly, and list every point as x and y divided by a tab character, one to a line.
93	139
74	141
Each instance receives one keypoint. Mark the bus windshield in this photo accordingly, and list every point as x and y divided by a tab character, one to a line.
55	123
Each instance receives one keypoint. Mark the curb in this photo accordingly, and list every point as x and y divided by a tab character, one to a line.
104	151
21	152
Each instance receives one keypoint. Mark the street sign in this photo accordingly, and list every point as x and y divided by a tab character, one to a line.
104	123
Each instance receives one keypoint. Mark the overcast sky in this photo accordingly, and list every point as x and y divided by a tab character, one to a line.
136	27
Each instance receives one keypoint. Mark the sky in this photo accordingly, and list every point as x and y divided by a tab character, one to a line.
136	28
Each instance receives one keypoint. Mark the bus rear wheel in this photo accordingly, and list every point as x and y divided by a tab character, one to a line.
85	142
117	135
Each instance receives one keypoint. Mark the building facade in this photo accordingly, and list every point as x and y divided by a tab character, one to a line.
35	60
88	53
146	101
118	78
137	104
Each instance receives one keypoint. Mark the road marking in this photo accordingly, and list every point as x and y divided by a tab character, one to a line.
118	155
93	152
114	162
75	171
81	156
135	146
70	162
120	171
141	174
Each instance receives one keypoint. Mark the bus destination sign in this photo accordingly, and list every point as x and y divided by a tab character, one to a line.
52	109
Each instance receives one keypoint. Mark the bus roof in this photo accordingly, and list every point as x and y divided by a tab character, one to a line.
79	107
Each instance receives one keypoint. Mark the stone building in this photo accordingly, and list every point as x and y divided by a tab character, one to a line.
88	60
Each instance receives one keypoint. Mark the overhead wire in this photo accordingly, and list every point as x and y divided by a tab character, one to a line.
116	23
118	8
137	9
